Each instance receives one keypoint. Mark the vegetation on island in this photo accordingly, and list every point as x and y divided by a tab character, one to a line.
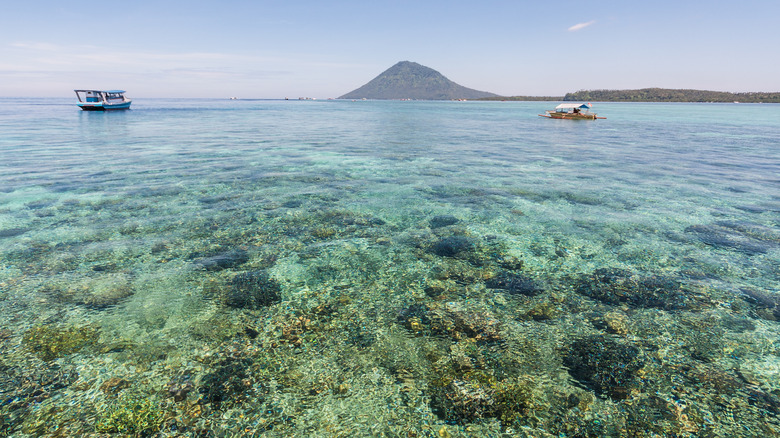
671	95
652	95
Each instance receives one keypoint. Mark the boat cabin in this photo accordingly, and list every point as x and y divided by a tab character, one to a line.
573	108
572	111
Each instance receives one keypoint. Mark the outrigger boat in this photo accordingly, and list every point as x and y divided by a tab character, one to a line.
576	111
99	100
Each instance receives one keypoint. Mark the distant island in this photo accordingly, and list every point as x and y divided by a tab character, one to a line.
653	95
410	80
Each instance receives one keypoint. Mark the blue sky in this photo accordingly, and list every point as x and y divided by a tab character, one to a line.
294	48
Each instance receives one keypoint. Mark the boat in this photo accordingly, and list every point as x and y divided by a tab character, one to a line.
574	111
100	100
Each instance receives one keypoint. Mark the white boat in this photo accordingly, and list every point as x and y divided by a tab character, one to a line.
573	111
100	100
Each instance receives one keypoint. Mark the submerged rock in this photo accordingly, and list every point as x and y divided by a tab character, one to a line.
465	397
616	286
252	290
452	246
114	385
229	380
767	304
760	298
225	260
98	292
451	320
50	342
515	284
12	232
747	238
731	383
463	401
604	365
443	221
179	388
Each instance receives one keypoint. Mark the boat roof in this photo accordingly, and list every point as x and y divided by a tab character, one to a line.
103	91
574	105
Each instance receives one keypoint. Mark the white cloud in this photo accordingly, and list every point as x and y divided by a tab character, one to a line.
580	26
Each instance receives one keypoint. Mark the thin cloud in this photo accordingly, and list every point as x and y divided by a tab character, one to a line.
580	26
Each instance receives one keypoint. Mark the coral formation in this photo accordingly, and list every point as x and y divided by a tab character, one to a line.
616	286
224	260
252	290
50	342
606	366
515	284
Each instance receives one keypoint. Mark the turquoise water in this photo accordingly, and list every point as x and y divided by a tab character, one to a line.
334	268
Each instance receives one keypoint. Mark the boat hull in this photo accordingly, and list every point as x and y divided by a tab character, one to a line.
100	106
571	116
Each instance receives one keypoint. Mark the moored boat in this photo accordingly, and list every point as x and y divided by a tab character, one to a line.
99	100
574	111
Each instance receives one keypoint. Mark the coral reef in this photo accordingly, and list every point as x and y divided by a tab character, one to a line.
443	220
452	246
451	319
229	381
617	286
252	290
224	260
606	366
515	284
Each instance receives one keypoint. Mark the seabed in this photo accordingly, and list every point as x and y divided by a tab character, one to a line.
296	303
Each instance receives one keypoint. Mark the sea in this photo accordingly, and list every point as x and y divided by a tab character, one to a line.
335	268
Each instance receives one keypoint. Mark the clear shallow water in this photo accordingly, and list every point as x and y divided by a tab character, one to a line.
334	268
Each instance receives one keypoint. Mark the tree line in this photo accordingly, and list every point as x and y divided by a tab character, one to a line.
670	95
653	95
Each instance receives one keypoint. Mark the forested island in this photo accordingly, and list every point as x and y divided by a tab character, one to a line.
654	95
410	80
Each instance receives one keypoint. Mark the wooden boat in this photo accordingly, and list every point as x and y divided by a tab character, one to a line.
99	100
574	111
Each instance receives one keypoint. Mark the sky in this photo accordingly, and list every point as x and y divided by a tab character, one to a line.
323	49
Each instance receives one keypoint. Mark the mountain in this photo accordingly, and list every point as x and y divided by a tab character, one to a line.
410	80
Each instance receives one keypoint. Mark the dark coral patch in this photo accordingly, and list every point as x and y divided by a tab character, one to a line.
443	220
747	238
228	381
616	286
225	260
515	284
252	290
12	232
604	365
452	246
